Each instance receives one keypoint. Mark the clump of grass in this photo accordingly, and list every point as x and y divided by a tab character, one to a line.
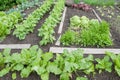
76	1
100	2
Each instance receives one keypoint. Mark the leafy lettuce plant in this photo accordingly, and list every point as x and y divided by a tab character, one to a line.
47	29
82	22
7	22
104	64
116	61
30	22
70	62
75	21
81	78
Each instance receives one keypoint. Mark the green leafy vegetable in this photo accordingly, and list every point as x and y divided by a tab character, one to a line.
47	29
30	22
7	22
88	33
14	76
104	64
81	78
68	37
116	61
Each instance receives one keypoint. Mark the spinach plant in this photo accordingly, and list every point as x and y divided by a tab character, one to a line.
104	64
35	60
116	61
81	78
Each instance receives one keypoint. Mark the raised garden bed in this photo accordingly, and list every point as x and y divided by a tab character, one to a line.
33	39
71	12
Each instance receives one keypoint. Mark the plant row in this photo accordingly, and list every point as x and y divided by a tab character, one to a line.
6	4
25	5
47	29
86	32
7	22
65	64
30	22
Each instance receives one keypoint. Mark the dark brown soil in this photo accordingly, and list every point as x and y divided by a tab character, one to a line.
33	76
28	11
97	76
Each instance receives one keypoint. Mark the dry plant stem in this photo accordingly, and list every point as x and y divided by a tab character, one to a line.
117	8
97	15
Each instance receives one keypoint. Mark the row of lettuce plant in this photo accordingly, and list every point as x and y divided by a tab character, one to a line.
34	60
30	22
7	22
47	29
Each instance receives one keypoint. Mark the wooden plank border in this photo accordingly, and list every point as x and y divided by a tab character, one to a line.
86	50
14	46
62	21
61	27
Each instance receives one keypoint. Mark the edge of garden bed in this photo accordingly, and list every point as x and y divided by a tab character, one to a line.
86	50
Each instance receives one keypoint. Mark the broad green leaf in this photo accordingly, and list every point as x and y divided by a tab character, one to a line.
64	76
36	61
65	52
4	71
90	58
78	54
38	69
25	72
90	69
70	67
14	76
33	49
6	52
45	76
39	53
47	56
104	64
7	59
16	58
1	59
18	67
53	68
81	78
112	55
117	62
117	70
